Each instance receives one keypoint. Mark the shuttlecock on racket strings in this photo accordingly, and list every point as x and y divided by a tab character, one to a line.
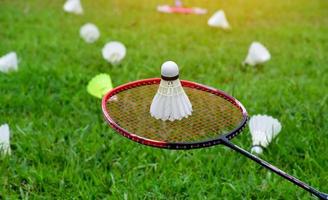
9	62
263	129
170	102
257	54
73	6
114	52
219	20
5	139
89	33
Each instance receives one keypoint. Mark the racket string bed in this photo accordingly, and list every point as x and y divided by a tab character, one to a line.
131	111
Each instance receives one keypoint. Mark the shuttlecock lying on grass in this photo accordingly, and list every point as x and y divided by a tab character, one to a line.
170	102
9	62
73	6
100	85
263	129
257	54
5	139
219	20
89	32
114	52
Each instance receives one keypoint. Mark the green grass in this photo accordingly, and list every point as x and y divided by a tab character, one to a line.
63	149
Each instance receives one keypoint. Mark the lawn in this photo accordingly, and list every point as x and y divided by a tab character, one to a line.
63	149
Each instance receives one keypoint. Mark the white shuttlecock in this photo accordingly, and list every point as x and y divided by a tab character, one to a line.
170	102
114	52
263	129
219	20
73	6
89	32
9	62
257	54
5	139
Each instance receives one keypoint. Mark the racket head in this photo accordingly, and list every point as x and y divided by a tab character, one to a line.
216	114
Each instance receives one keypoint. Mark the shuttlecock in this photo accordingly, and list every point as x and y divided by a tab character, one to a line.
5	139
219	20
114	52
257	54
170	102
73	6
263	129
89	32
100	85
9	62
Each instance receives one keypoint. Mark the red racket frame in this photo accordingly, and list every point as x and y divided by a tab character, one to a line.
168	145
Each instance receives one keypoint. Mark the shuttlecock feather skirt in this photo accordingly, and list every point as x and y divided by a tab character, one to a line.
170	102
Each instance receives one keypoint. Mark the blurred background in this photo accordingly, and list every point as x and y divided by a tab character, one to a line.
62	148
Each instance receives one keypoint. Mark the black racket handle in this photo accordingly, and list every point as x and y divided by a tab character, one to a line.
225	141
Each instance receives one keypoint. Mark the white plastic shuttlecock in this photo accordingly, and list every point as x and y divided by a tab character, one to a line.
9	62
73	6
263	129
5	139
219	20
257	54
170	102
114	52
89	32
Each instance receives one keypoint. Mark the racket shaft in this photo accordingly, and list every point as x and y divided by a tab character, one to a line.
274	169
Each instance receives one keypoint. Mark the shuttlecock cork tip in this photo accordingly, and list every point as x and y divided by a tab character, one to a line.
170	70
257	150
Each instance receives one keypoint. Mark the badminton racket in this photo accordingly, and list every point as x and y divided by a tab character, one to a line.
216	119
